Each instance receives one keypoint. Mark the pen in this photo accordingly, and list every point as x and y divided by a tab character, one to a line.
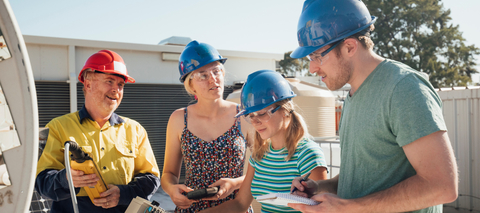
303	179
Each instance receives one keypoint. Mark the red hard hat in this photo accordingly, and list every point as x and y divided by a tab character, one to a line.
106	61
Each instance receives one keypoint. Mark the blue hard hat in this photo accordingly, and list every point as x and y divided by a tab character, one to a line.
323	22
262	89
196	55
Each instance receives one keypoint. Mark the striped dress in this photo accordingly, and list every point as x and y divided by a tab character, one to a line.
275	175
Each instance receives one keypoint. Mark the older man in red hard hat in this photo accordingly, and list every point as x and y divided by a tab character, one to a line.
118	145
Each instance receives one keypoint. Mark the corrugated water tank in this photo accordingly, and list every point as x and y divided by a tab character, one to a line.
315	104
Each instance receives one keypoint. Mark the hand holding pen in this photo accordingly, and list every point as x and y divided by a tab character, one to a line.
303	179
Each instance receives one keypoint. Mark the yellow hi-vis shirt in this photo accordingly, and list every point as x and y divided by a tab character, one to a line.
121	151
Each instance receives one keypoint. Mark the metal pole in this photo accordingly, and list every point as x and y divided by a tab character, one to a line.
70	182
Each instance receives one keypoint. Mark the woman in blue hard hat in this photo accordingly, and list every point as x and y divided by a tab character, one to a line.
205	135
282	148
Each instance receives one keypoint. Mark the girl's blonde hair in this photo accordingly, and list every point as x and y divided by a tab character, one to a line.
187	81
295	132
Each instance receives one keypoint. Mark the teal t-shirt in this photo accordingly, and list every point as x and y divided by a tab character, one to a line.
273	174
393	107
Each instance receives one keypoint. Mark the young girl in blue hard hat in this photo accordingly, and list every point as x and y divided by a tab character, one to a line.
282	149
205	135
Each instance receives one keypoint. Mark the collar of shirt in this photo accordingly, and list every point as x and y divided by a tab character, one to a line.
114	119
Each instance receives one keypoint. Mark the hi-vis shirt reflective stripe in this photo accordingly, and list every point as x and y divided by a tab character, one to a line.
121	151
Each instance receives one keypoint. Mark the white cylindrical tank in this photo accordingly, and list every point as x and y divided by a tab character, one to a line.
315	104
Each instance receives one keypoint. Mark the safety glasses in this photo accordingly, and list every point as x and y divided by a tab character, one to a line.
263	117
206	74
323	56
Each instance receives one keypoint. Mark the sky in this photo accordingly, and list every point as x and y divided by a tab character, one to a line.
267	26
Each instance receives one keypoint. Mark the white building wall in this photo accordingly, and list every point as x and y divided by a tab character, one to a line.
50	60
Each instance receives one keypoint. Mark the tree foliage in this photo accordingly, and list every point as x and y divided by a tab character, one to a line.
417	33
293	67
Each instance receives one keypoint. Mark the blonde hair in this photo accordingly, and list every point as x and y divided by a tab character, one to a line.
188	86
296	131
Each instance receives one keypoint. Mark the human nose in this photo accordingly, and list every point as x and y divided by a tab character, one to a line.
255	120
212	76
313	67
117	88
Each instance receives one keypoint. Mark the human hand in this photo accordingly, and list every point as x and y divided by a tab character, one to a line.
180	200
109	198
80	179
306	188
328	203
226	188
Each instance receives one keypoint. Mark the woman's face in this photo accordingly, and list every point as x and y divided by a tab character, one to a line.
208	81
269	122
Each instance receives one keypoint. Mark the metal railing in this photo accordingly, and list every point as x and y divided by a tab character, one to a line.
329	141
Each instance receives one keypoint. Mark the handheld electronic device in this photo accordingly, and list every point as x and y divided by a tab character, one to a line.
82	161
140	205
203	193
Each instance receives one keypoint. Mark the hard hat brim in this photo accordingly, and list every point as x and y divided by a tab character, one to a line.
128	79
260	107
240	113
301	52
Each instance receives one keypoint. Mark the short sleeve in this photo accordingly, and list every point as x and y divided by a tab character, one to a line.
310	156
415	110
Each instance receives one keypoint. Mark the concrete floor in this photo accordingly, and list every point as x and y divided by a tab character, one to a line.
165	202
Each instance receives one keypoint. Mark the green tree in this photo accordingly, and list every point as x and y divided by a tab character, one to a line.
293	67
418	33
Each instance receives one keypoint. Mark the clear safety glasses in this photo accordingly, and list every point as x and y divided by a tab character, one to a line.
264	117
323	56
206	74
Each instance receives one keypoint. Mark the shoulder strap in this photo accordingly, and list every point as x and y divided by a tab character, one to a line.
185	117
237	121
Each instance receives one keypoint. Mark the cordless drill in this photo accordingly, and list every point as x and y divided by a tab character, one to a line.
83	162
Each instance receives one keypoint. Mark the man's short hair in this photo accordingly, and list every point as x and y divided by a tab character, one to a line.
364	37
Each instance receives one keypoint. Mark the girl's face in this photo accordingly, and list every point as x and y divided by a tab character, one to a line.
208	81
269	122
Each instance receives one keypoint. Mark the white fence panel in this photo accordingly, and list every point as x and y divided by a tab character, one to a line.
461	110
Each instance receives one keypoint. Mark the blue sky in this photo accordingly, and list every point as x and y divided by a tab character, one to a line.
247	25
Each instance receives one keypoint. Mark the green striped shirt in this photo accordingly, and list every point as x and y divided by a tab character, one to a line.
275	175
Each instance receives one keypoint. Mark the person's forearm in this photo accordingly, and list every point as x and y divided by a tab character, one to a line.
328	186
53	184
411	194
167	181
142	185
231	206
238	181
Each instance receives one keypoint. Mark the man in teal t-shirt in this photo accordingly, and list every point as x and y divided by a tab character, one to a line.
395	152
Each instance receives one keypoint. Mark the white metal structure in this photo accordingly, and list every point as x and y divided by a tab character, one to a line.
16	81
61	59
461	110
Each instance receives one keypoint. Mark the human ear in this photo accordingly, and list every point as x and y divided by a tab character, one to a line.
350	46
87	84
